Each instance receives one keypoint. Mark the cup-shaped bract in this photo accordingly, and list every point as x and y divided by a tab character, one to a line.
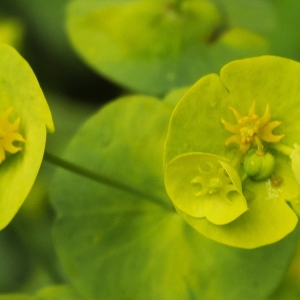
249	116
24	120
204	185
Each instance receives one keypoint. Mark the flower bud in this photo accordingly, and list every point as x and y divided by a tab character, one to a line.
259	167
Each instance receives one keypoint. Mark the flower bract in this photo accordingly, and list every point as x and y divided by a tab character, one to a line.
214	189
24	120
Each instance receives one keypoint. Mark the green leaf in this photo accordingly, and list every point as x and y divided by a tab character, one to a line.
55	292
16	296
156	46
59	292
286	29
115	245
117	151
11	31
289	286
242	13
174	96
14	264
48	30
20	91
196	126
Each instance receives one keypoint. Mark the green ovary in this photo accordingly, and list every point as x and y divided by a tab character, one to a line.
214	185
259	167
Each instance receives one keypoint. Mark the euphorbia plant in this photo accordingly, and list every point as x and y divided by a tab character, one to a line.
227	156
231	160
139	243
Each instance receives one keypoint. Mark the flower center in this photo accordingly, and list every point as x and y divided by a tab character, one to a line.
214	185
249	127
9	135
252	130
211	180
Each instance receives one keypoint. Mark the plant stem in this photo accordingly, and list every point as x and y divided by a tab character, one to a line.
62	163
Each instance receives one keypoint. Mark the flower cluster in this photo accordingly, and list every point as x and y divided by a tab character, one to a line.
234	188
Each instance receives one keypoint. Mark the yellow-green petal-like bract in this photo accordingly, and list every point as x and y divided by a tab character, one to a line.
203	185
21	94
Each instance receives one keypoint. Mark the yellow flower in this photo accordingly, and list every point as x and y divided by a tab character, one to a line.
252	130
8	135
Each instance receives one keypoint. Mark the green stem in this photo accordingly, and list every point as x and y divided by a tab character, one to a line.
286	150
62	163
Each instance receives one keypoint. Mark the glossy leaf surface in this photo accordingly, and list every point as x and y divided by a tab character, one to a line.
156	46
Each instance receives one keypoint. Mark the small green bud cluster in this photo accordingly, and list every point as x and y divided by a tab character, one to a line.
259	167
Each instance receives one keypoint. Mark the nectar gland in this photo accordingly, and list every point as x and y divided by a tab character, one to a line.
252	130
8	135
211	181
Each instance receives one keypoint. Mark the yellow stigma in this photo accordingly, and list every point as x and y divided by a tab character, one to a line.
8	135
251	130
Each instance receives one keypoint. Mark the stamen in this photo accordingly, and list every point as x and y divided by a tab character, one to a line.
9	135
252	130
